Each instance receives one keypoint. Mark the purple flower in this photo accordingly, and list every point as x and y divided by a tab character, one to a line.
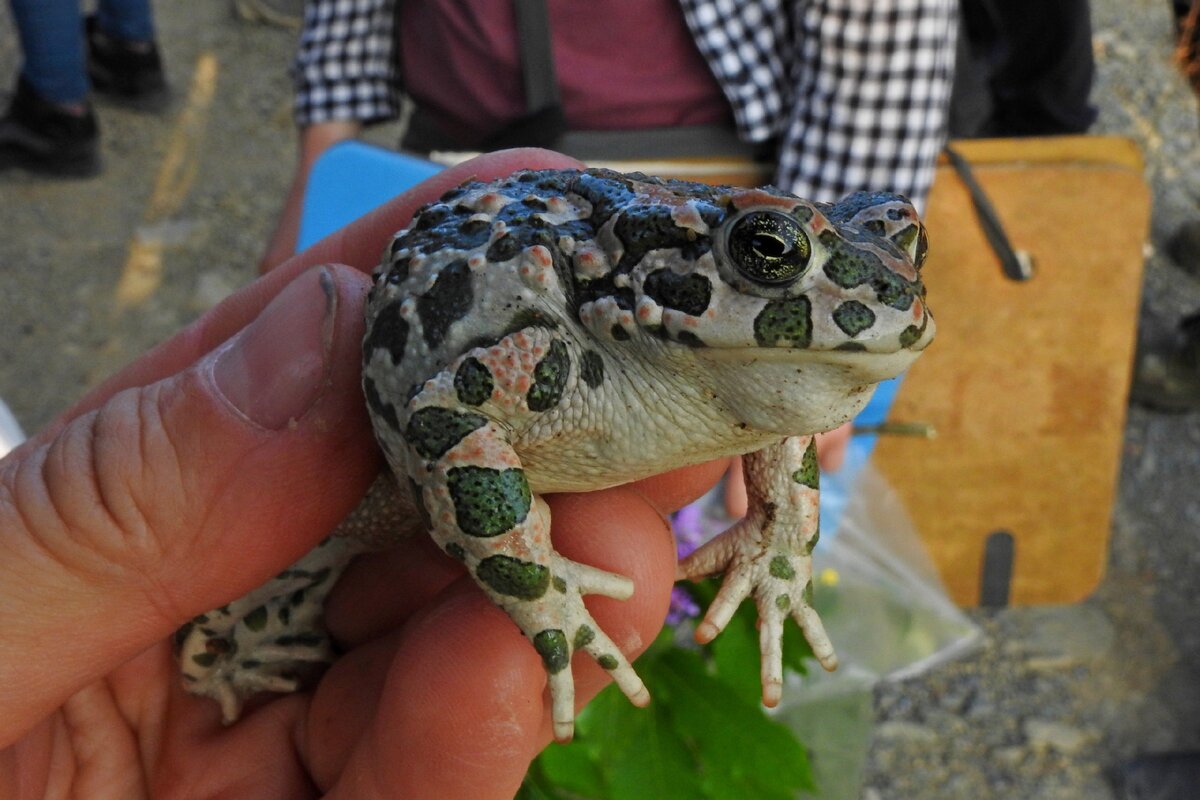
683	607
688	523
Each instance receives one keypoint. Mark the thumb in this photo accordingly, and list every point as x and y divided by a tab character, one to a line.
173	498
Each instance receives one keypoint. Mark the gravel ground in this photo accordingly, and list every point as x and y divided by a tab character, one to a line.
1050	707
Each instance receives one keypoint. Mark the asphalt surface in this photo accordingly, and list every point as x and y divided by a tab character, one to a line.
94	272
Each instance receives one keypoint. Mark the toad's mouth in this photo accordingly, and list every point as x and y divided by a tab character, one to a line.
864	365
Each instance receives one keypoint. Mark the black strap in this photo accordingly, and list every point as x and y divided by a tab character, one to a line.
1017	264
536	49
544	121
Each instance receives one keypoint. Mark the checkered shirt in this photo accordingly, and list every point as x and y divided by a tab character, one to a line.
344	67
854	91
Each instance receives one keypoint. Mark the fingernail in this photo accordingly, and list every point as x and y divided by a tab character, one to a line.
275	370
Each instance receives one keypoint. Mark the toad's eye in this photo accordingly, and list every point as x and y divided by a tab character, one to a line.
769	247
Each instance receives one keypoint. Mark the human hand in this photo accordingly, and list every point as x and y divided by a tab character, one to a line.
203	469
314	140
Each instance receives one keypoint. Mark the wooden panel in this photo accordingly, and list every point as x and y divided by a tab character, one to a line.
1026	383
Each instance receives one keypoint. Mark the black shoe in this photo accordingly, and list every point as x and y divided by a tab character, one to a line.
1166	376
1172	776
42	137
1183	247
129	73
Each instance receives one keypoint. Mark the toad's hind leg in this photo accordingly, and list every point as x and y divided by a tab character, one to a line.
769	554
274	638
271	640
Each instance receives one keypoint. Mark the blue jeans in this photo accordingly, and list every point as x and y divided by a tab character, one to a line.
51	34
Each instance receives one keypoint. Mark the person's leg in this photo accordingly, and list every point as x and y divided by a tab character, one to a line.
49	126
131	20
123	60
51	36
1047	75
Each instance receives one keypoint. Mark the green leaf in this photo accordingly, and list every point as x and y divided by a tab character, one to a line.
653	763
572	768
742	753
736	655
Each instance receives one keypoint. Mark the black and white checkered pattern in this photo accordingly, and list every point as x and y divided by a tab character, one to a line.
344	69
854	91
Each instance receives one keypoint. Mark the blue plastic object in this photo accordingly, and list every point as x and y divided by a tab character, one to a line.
836	487
351	179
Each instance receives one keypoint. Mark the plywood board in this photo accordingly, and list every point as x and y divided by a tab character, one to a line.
1026	383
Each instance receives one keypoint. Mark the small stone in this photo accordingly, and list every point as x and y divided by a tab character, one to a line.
1047	734
900	731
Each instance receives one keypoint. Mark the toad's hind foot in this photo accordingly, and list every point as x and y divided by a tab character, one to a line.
271	640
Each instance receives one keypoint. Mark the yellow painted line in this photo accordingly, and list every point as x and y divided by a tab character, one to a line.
142	274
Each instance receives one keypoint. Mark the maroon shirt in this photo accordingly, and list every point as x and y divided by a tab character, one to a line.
621	65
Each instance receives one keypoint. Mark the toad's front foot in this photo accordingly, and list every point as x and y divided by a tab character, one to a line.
782	586
558	624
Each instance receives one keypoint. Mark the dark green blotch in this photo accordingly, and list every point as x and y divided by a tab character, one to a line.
551	645
783	602
786	323
488	502
591	368
809	473
910	335
182	633
853	317
205	659
514	577
429	216
643	228
851	347
584	636
256	620
446	302
687	293
504	248
388	332
456	552
473	382
812	543
559	584
808	593
549	378
906	236
781	568
608	662
382	409
301	640
849	266
433	430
